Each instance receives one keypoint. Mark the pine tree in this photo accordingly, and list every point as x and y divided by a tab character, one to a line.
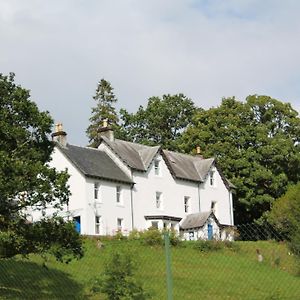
104	109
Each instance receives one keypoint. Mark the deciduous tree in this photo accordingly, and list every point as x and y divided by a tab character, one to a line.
27	181
257	147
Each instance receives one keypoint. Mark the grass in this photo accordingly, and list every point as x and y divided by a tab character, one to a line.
222	274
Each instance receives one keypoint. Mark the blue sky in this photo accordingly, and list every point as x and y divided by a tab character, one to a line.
207	50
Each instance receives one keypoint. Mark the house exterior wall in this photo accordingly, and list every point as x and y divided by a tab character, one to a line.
219	194
139	200
173	191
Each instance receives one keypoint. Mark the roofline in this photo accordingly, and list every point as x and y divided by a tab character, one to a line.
60	147
163	217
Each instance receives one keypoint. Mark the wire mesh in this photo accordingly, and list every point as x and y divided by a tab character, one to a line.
257	265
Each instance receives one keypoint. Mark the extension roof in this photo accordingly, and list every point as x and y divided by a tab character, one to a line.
94	163
197	220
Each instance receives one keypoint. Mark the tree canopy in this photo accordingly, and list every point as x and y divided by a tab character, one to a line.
27	181
285	216
104	109
256	143
161	122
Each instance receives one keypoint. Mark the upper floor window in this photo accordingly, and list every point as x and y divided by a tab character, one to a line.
119	194
157	170
213	206
212	178
158	200
186	204
96	190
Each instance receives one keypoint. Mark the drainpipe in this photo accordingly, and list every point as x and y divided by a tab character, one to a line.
199	197
131	202
230	207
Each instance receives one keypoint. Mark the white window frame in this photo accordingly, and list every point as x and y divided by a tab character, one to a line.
96	191
157	167
119	199
213	206
98	222
212	179
158	200
186	202
120	224
154	224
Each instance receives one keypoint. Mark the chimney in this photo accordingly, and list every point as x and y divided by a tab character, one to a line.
59	136
198	152
106	130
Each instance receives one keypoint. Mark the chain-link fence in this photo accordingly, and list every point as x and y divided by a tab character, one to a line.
257	265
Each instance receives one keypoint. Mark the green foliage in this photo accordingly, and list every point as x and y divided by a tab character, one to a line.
257	147
104	109
215	245
161	122
285	216
118	281
27	181
151	237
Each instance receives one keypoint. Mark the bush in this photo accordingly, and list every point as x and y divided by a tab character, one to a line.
208	246
151	237
118	281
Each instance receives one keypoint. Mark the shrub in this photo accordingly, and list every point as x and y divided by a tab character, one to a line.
151	237
134	235
118	281
208	246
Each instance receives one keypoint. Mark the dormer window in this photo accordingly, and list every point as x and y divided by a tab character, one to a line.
96	190
212	178
157	170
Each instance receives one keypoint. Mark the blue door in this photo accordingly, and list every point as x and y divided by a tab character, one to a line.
209	231
77	223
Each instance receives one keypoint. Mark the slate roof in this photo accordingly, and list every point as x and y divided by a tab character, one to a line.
136	156
188	167
94	163
197	220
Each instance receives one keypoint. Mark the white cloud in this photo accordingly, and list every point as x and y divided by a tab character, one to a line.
206	49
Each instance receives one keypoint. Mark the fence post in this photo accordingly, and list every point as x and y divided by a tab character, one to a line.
168	266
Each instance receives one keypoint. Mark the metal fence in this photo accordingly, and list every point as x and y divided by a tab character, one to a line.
257	265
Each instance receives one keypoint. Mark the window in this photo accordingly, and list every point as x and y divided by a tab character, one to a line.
118	194
154	224
119	224
165	225
186	204
212	178
97	224
158	200
96	190
213	206
172	226
157	167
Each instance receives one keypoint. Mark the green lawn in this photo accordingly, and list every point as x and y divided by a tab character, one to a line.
224	274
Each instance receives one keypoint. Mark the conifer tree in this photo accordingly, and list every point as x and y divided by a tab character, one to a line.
104	109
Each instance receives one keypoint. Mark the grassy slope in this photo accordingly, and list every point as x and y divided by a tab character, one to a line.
218	275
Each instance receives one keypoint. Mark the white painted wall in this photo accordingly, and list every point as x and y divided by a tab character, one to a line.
173	192
218	193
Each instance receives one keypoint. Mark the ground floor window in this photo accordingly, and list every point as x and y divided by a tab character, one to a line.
97	224
154	224
120	224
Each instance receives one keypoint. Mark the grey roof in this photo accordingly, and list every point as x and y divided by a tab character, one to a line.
136	156
196	220
94	163
188	167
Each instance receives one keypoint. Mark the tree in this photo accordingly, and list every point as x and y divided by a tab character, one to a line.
118	280
285	216
257	147
104	109
161	122
27	181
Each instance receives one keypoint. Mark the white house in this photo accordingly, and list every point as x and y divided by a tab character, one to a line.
121	186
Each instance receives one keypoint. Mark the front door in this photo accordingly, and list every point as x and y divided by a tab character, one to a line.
209	231
77	223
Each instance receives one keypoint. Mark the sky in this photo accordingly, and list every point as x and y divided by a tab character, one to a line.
208	50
